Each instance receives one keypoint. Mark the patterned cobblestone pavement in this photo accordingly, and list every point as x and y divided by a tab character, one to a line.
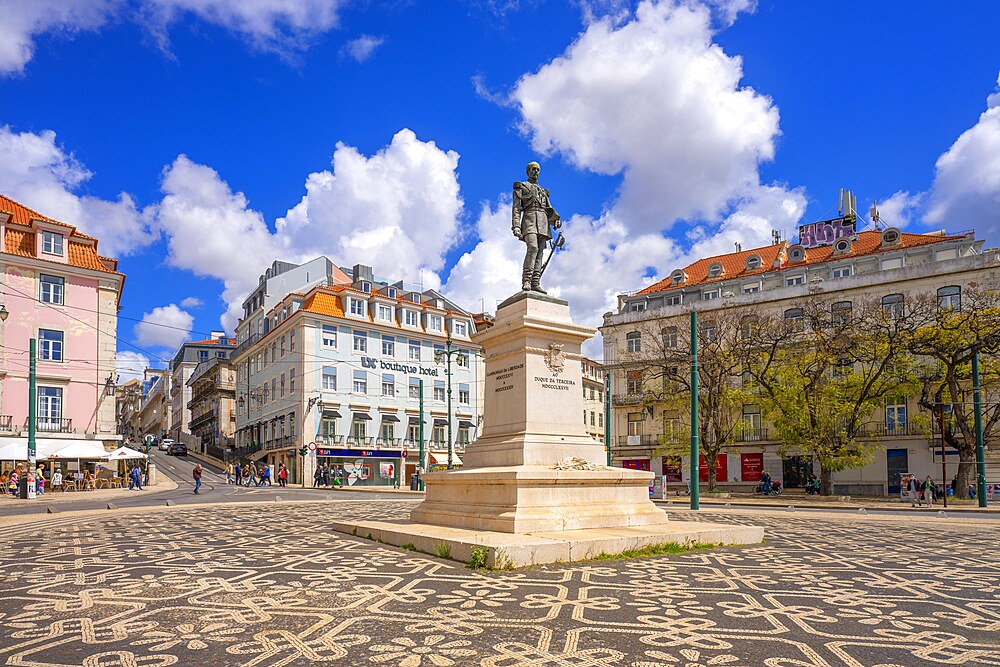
269	586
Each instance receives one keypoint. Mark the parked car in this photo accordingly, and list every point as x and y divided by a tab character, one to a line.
177	449
165	444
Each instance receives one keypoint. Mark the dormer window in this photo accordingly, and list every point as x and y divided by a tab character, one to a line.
891	237
678	277
366	286
754	262
842	247
410	318
416	298
385	313
52	243
796	254
357	307
390	292
461	329
714	270
434	322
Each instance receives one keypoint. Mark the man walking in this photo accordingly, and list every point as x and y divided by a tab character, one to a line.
135	479
229	473
913	491
265	475
239	473
196	474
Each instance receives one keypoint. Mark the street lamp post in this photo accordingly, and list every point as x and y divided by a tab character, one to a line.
32	416
440	356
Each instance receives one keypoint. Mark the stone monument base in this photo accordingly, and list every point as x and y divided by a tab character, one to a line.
532	498
504	550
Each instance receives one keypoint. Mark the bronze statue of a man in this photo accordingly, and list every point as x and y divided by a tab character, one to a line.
532	214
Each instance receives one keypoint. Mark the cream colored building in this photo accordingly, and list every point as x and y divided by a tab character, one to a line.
593	399
213	406
154	412
889	265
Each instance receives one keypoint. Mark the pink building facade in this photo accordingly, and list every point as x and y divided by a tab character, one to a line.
56	289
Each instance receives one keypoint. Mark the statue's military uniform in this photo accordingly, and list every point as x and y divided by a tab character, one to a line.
531	215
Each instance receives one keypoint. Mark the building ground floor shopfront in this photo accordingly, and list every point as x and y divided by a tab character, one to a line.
741	467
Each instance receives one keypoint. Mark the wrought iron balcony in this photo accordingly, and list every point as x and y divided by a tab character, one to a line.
628	399
203	418
752	435
50	425
643	440
6	423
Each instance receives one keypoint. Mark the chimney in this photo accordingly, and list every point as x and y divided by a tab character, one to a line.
362	272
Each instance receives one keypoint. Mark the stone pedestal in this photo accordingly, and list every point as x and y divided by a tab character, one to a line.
534	467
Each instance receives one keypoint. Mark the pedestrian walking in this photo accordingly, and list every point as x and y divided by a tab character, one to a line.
229	473
239	473
282	475
196	474
928	489
913	491
326	474
252	475
57	480
265	475
135	479
318	476
12	481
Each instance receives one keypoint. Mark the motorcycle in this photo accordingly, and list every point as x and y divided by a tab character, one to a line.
775	489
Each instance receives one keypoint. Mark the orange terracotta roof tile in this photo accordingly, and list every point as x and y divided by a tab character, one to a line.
734	264
211	341
81	249
323	302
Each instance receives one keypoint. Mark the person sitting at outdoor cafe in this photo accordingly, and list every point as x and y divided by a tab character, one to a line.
57	480
88	480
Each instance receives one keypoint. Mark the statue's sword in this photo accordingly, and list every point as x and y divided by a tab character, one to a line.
558	242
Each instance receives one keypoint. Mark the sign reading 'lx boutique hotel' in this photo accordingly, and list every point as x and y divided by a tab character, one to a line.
369	362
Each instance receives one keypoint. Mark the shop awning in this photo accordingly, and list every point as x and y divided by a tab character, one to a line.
440	422
331	414
362	415
465	424
441	458
16	448
79	450
414	420
123	453
390	418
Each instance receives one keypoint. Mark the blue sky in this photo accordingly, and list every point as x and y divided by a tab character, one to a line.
200	139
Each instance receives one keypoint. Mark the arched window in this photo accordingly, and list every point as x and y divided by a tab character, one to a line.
714	270
892	304
793	318
753	262
950	298
633	341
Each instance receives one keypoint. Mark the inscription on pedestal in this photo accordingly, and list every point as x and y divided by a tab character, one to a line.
555	383
504	376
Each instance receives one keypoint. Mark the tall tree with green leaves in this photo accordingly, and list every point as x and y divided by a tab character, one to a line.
824	368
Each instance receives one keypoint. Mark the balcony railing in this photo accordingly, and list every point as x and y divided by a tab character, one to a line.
897	430
321	439
643	440
244	345
52	425
752	435
6	423
281	443
628	399
203	418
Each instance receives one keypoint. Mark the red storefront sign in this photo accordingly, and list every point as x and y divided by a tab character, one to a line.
752	467
721	472
671	469
636	464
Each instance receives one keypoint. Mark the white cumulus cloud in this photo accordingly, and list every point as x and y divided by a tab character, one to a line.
21	21
38	173
654	100
130	365
165	326
192	302
966	189
362	48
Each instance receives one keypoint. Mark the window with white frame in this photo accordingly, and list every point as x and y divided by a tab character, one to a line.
635	423
463	394
669	337
330	378
291	380
633	382
711	294
410	318
463	359
329	335
895	416
52	243
282	347
291	340
950	298
673	300
50	404
791	281
360	341
413	350
50	344
842	271
388	431
388	346
51	289
439	394
202	355
384	312
414	388
637	306
360	382
461	329
434	322
750	288
282	385
388	385
633	341
357	307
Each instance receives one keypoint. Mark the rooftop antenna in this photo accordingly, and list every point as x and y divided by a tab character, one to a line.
848	204
776	236
874	214
739	248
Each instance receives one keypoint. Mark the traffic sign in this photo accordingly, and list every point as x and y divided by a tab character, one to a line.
149	439
312	446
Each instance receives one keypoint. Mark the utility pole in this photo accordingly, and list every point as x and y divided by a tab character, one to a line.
420	464
944	469
607	414
977	403
695	468
32	418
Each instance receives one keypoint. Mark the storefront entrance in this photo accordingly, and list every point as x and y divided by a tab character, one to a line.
896	463
796	471
362	467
